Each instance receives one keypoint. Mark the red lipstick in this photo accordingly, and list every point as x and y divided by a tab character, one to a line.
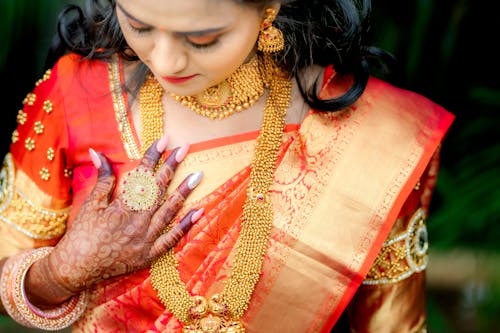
178	79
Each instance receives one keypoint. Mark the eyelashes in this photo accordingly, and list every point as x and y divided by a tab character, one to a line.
205	42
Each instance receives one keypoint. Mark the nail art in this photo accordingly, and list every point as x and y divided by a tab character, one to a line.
196	216
161	145
95	158
194	179
181	153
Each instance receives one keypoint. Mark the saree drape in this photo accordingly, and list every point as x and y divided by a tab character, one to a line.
340	184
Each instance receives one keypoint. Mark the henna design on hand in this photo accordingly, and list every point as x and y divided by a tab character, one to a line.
108	239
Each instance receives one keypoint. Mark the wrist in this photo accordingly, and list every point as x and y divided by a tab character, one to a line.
15	300
43	288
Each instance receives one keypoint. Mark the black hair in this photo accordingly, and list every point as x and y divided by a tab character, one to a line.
317	32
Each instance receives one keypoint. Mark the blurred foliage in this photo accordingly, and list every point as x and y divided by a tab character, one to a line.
445	52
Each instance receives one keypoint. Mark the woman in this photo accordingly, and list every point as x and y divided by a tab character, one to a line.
316	177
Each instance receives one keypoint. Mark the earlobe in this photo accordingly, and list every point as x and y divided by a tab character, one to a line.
276	6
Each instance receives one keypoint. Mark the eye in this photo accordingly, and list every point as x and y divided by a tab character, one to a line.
138	28
202	42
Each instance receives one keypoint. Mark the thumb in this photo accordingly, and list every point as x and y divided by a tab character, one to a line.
106	179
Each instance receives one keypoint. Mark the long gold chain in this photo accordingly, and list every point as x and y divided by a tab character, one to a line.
222	312
236	93
151	112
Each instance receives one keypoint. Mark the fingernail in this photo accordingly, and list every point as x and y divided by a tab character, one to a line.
161	145
194	180
196	216
181	153
95	158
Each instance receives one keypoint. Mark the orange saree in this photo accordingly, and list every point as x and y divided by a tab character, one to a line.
341	183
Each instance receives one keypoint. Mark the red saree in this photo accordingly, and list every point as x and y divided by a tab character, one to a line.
342	181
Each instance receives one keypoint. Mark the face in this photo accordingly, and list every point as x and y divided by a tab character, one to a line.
190	45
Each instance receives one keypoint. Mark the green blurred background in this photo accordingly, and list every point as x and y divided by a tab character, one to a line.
445	51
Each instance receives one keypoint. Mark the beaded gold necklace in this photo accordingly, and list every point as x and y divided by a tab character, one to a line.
236	93
222	312
151	112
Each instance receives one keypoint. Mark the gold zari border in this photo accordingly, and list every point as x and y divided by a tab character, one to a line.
120	108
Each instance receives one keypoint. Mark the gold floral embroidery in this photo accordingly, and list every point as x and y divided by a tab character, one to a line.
45	77
30	99
21	117
403	255
45	174
50	154
15	136
29	144
47	106
38	127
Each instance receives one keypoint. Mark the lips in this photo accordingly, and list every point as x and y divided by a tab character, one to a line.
178	79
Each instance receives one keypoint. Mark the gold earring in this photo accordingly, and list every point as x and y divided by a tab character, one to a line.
270	38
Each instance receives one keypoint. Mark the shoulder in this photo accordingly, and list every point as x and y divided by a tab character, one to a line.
389	105
73	70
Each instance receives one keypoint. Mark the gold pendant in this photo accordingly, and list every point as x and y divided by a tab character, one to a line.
140	190
215	97
211	317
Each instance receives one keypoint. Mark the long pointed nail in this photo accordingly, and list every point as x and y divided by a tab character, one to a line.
161	145
196	216
95	158
181	153
194	179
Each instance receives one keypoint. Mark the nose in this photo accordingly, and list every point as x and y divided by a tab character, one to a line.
168	57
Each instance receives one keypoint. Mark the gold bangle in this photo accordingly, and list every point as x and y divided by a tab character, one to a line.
26	313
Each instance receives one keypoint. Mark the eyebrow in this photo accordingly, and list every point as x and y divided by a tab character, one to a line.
180	33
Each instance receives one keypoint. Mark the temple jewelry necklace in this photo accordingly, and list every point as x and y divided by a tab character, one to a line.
236	93
222	312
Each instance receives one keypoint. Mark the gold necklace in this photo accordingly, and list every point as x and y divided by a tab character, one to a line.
151	112
222	312
236	93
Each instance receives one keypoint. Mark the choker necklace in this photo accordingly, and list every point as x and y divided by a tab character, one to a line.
222	312
236	93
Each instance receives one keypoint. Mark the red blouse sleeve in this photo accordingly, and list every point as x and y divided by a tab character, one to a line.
35	179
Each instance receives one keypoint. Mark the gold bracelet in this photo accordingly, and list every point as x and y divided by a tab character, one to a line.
21	310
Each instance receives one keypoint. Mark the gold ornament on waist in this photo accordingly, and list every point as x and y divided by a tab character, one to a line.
236	93
223	311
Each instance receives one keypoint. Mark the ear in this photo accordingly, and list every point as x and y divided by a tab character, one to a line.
275	5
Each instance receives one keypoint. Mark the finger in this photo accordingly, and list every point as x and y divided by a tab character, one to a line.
167	169
106	180
171	238
153	154
173	204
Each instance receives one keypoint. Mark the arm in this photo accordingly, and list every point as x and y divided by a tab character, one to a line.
392	296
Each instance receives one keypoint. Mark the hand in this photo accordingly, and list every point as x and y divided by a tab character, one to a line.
109	238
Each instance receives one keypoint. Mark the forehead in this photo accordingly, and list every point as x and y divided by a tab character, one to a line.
184	13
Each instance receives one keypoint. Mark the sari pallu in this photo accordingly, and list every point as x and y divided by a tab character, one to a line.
339	185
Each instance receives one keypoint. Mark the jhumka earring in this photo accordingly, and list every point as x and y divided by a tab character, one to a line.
270	38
